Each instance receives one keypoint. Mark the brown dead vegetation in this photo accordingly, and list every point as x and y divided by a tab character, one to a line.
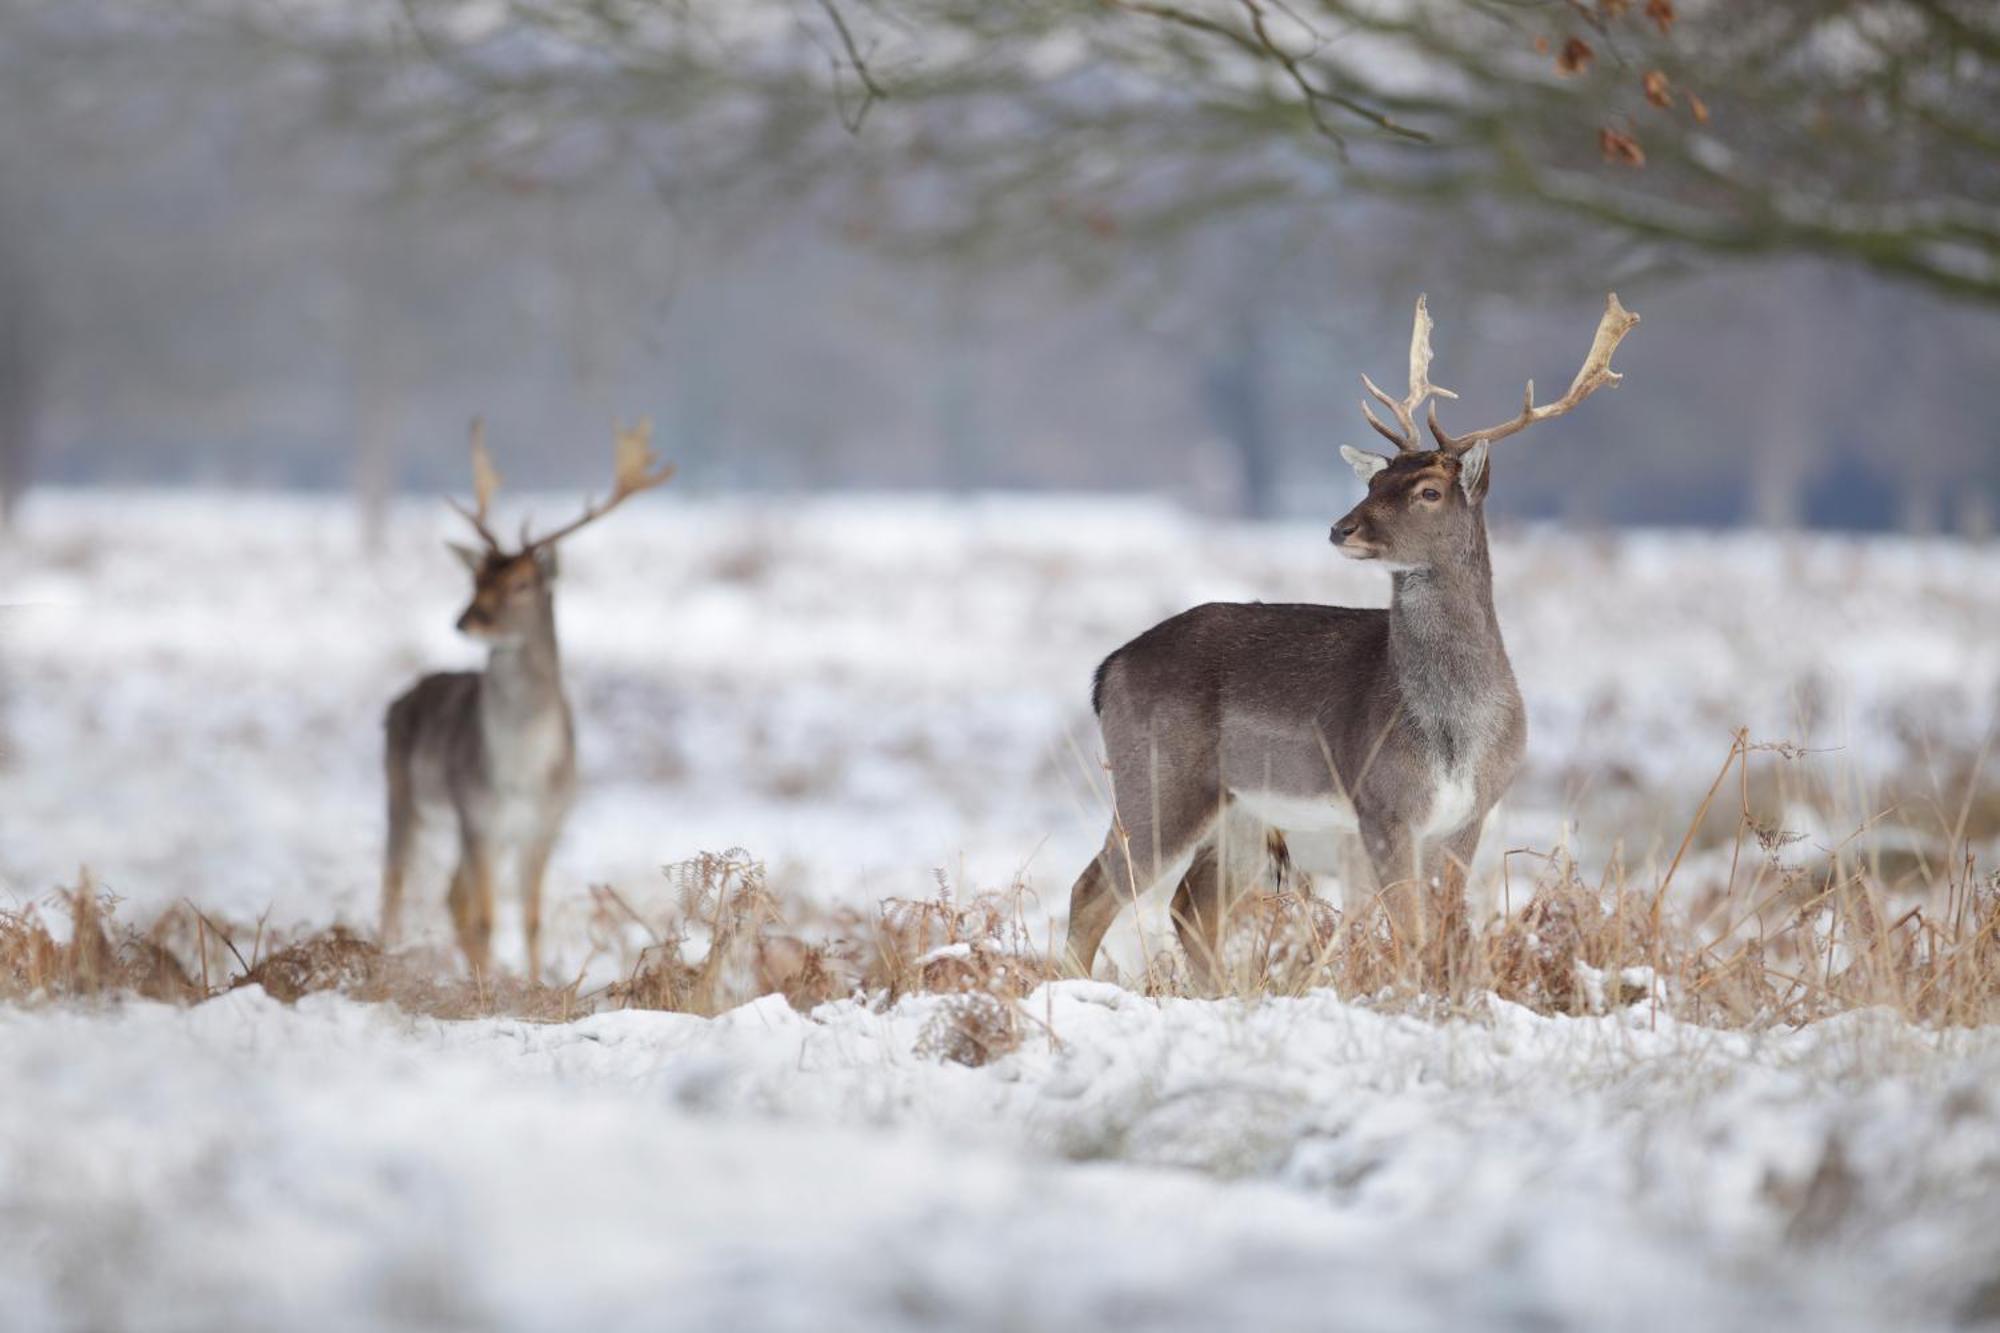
99	958
1774	929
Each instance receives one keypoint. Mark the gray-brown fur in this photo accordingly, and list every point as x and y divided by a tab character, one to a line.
1234	729
494	752
1232	709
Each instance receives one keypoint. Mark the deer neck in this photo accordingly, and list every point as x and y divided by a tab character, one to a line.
524	678
1445	651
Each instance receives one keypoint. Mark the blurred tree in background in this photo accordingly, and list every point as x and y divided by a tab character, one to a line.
1107	225
1862	129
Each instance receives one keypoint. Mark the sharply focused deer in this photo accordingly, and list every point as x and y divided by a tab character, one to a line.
496	748
1232	726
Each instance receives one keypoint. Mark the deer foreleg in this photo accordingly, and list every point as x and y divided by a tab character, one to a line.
1446	870
1392	849
396	855
1197	911
472	904
534	864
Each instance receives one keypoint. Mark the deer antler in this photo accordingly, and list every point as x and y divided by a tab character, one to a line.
485	485
635	469
1595	374
1420	388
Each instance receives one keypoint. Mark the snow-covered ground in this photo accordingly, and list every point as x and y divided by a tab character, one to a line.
864	692
1161	1165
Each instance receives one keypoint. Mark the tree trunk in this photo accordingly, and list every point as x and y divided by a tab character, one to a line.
1787	442
377	377
1917	513
1237	398
1977	520
22	360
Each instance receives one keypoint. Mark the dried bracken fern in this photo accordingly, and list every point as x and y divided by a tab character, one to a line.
100	958
971	1028
940	945
724	899
333	960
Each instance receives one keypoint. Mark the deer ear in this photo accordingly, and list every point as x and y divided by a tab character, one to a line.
472	558
1365	464
545	561
1472	472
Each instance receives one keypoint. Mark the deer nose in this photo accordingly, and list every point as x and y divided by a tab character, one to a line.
473	616
1343	530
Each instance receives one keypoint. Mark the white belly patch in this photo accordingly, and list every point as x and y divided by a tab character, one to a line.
1453	804
1300	814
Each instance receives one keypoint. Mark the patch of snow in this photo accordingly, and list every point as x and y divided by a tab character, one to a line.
1178	1164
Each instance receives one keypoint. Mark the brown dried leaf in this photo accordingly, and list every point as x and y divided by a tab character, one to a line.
1662	13
1659	89
1699	108
1575	56
1620	147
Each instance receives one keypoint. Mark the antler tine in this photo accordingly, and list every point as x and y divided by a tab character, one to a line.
485	485
1420	387
635	469
1595	373
1405	442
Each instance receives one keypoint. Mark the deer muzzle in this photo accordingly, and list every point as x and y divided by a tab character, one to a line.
1347	538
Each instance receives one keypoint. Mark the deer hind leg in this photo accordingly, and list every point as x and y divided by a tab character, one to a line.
1093	906
1234	860
1165	811
472	904
396	855
534	864
1122	874
1197	911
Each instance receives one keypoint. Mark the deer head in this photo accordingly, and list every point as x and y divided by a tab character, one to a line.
511	589
1423	506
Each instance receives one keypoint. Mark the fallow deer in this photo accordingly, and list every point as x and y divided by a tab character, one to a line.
1231	727
496	749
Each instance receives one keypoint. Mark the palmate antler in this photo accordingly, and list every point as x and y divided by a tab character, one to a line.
1421	388
634	469
1595	374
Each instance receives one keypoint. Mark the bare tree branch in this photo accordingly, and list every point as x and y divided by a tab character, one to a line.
871	91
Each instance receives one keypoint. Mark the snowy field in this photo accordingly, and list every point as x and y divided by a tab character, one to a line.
866	694
863	693
1177	1165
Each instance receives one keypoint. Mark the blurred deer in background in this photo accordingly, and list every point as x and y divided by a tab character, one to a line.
496	747
1233	726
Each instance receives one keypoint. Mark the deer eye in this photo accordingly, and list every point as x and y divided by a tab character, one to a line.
1432	493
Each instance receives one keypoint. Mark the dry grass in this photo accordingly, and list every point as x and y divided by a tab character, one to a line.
1762	927
1778	929
729	942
